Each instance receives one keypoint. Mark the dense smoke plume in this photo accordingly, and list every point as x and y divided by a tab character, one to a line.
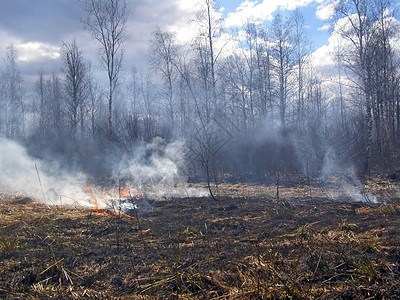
42	180
157	169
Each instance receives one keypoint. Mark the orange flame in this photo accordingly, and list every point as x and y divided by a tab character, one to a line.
90	190
113	214
124	192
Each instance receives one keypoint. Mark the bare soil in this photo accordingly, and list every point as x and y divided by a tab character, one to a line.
250	244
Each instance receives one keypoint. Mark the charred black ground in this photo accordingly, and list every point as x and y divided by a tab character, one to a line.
252	247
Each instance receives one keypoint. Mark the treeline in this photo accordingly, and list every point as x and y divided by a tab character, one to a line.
244	113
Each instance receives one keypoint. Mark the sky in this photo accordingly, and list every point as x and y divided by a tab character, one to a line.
37	28
316	14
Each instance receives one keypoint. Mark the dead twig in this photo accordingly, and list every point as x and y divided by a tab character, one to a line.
56	263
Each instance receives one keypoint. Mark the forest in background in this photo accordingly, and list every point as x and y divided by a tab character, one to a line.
243	114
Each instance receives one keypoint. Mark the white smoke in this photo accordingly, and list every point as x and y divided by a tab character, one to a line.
159	170
345	178
164	165
20	173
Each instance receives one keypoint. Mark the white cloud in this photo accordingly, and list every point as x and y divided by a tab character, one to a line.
322	57
252	10
326	10
6	39
186	6
34	51
293	4
325	27
28	51
182	25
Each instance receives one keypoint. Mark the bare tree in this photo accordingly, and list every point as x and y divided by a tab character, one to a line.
134	91
162	58
301	51
354	22
12	106
235	79
250	57
207	140
75	84
40	91
55	107
106	20
149	108
94	99
265	77
213	31
385	77
51	108
207	54
282	52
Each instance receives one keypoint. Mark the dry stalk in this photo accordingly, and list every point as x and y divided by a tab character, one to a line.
41	186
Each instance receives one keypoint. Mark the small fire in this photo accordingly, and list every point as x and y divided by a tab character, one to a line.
124	192
90	191
114	200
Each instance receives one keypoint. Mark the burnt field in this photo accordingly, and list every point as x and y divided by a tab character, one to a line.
255	242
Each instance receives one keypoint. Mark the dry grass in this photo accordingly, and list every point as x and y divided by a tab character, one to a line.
236	248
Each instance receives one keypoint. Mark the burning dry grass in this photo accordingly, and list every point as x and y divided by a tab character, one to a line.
236	248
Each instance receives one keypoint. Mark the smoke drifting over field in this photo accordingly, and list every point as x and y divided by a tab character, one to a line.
22	173
158	169
165	164
258	112
346	179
